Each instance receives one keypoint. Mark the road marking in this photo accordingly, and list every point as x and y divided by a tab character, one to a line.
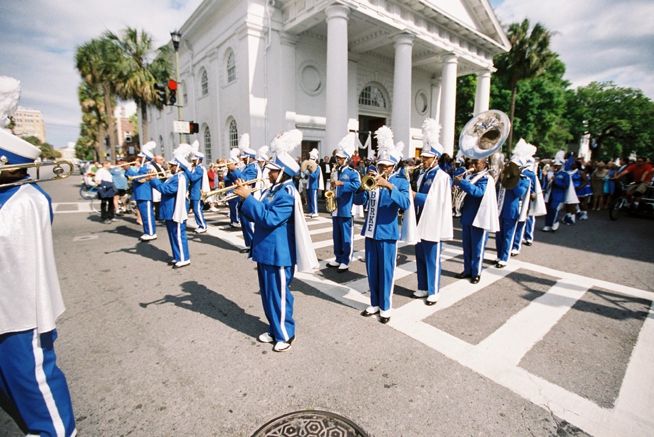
81	207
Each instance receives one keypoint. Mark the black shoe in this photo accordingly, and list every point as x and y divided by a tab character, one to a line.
499	266
462	276
430	302
527	243
365	313
246	250
475	280
384	320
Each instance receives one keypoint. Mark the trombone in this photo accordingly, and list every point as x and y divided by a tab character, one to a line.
123	164
57	170
160	175
220	191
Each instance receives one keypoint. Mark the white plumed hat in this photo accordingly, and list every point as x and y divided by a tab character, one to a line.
385	146
430	138
281	149
13	150
346	146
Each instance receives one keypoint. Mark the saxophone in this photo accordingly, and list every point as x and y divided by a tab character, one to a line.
330	195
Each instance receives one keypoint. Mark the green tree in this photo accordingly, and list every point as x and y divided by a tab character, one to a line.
530	55
618	120
47	151
141	67
93	126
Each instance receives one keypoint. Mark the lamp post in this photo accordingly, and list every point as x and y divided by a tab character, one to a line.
176	37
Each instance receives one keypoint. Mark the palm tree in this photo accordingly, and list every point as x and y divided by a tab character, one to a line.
98	63
529	56
141	68
93	116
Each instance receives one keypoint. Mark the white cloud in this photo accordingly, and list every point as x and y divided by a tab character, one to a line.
598	40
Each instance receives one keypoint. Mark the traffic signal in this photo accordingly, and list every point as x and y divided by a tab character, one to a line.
193	128
172	92
161	93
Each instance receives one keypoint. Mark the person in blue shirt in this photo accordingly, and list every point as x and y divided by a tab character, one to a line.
381	229
142	190
281	240
314	183
174	209
346	182
251	172
556	192
120	184
198	182
509	204
233	174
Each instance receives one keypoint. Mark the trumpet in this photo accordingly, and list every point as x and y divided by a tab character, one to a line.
369	182
220	191
57	170
124	163
234	196
159	175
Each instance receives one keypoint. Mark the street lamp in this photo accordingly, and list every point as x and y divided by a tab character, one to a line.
176	37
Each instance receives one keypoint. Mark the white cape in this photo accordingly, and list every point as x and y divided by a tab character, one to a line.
304	252
487	217
181	213
409	233
205	187
538	207
436	219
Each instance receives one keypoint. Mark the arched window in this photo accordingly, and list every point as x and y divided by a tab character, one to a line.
233	134
231	67
204	82
372	96
207	145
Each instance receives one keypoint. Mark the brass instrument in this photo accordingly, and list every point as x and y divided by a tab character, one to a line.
369	182
58	171
159	175
510	176
124	163
484	134
330	195
220	191
234	196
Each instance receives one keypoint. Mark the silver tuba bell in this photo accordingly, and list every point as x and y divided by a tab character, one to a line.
484	134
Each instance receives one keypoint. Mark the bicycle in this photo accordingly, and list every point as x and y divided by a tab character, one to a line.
90	192
625	203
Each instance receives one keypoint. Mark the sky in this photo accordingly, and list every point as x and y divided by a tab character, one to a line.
598	40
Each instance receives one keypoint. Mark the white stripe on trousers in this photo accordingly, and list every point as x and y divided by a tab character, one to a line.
179	242
282	292
437	289
150	218
481	254
351	241
44	387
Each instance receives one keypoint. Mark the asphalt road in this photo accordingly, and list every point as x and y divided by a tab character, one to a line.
558	343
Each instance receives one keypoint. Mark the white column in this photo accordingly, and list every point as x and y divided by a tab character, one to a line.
401	114
482	97
435	106
336	86
448	103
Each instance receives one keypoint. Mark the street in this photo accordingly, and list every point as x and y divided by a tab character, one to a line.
558	343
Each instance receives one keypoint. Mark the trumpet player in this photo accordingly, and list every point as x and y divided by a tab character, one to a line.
251	171
142	190
433	203
233	174
381	225
198	182
345	182
315	182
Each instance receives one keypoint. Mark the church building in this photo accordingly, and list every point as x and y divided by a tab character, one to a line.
327	67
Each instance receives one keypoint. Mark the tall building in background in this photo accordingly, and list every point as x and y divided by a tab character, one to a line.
125	131
29	122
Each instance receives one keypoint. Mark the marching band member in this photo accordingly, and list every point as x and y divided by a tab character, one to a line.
433	203
512	197
281	240
199	182
478	217
558	192
315	183
381	225
251	171
233	174
173	205
262	159
537	206
142	190
30	297
346	181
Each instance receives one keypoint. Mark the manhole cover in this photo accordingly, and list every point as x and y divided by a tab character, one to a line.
310	424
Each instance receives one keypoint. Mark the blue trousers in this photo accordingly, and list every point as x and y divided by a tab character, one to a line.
553	212
342	234
198	211
381	258
504	238
248	230
274	283
30	378
178	240
529	228
519	235
474	245
428	261
147	216
233	211
312	194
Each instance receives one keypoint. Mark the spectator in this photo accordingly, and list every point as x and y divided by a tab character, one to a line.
106	191
642	176
120	183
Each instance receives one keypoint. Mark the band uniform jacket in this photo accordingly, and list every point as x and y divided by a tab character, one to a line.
173	197
511	205
383	209
345	193
141	189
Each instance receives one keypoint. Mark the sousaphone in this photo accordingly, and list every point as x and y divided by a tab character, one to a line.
484	136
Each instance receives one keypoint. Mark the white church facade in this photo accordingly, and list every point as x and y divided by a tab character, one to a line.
327	67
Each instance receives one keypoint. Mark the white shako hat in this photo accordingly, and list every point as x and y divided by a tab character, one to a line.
181	155
244	147
195	147
346	146
430	133
522	152
146	150
234	155
559	158
262	154
13	149
281	148
314	154
385	146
